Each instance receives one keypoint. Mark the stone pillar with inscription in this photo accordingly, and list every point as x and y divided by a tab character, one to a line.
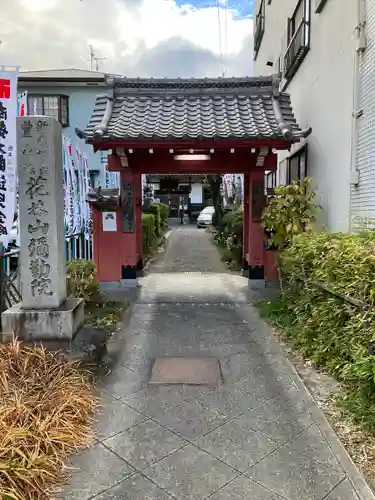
45	313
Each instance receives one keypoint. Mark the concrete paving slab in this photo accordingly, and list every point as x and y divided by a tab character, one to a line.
295	476
115	417
97	469
236	444
344	491
194	419
190	474
144	444
135	488
243	488
230	399
157	400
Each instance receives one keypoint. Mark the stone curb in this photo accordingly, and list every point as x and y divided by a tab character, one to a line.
358	481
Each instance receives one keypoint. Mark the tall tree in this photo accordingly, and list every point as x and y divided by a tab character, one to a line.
214	182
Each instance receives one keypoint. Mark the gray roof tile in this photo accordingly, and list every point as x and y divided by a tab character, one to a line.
189	109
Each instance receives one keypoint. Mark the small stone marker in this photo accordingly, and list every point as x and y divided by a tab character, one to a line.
45	312
191	371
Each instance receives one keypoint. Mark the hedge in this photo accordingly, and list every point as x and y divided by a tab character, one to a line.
329	291
161	213
229	236
148	232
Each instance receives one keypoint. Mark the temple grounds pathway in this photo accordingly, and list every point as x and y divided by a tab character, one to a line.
253	433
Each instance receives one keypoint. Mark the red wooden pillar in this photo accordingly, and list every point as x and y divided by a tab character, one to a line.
138	218
115	234
256	232
128	227
246	225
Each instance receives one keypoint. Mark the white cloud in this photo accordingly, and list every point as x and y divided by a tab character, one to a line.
139	37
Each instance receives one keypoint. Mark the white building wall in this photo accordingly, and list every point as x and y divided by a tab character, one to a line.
322	96
196	193
363	195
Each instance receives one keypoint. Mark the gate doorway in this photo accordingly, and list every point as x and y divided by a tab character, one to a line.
188	126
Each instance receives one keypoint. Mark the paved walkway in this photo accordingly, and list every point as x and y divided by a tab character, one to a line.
256	436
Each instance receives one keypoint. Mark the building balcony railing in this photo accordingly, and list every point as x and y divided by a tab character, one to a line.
259	32
297	49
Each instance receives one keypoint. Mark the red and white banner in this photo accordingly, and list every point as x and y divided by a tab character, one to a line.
22	104
8	145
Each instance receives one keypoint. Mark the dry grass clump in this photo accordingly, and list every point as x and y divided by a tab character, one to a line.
46	408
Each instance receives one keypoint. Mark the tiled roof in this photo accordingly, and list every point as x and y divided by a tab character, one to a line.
68	73
188	109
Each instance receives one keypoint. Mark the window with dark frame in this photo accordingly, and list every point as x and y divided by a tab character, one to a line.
56	106
259	27
92	178
271	180
297	166
298	38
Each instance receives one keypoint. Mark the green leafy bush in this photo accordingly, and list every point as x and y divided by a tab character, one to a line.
82	281
164	213
149	236
155	209
229	237
332	308
232	223
290	211
161	213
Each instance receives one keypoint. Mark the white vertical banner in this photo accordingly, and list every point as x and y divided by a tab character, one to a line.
66	184
79	187
8	144
22	104
71	184
88	213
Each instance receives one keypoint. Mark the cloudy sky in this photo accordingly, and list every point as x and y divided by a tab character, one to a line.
173	38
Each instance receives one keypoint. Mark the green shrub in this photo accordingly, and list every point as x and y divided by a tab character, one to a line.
164	213
290	212
155	209
148	232
232	223
161	213
82	281
230	236
333	331
226	254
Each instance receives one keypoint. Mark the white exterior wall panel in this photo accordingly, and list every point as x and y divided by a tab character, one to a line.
363	195
322	96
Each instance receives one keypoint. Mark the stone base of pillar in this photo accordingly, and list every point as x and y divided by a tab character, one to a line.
272	284
254	284
28	325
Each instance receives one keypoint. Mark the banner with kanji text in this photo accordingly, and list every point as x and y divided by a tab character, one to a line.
8	144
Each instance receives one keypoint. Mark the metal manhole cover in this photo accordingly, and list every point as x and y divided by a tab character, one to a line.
192	371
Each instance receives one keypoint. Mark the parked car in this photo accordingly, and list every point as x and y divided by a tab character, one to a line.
205	217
